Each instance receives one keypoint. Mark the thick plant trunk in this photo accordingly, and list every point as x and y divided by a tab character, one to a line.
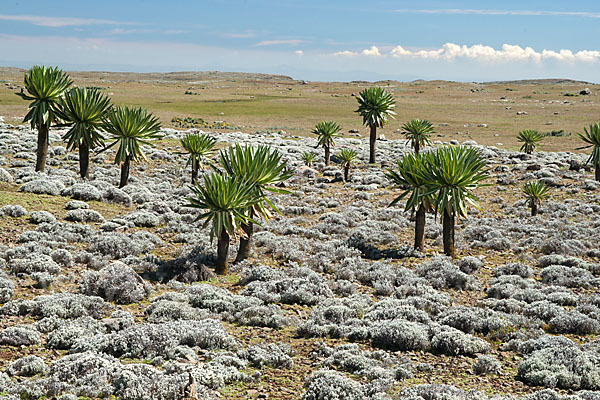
245	243
327	157
417	148
534	208
346	173
420	229
125	172
222	253
42	148
372	140
194	172
598	173
84	160
448	230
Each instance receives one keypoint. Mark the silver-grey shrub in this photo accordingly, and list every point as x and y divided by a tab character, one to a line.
574	322
268	355
62	305
487	364
442	274
326	384
117	282
26	366
118	245
84	215
82	191
401	335
41	186
151	340
519	269
7	287
34	263
561	367
39	217
14	211
453	342
561	275
19	336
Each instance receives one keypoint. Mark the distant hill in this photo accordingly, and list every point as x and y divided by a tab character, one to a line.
200	76
550	81
183	76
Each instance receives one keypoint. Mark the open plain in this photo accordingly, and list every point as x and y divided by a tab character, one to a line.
107	293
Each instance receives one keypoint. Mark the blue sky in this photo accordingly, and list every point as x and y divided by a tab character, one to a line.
314	40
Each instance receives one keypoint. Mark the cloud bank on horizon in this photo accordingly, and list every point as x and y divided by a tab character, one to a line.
480	52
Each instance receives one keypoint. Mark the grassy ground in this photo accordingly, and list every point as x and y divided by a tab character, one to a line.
258	103
273	103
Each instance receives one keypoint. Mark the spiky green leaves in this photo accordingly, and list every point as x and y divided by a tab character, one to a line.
224	198
44	87
591	136
418	132
347	157
84	110
410	176
452	173
199	147
259	165
130	128
535	192
308	158
326	131
530	139
375	106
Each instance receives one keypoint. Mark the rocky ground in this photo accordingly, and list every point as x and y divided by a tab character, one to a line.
104	292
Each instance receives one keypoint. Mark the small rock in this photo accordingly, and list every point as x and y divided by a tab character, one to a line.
585	92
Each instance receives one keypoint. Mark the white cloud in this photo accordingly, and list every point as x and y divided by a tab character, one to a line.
58	22
373	51
288	42
507	53
502	12
345	53
480	52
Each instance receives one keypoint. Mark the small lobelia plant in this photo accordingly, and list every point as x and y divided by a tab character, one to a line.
452	174
530	139
199	147
308	158
592	138
326	132
263	168
130	128
84	110
375	106
410	177
418	131
44	86
347	158
535	192
224	200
